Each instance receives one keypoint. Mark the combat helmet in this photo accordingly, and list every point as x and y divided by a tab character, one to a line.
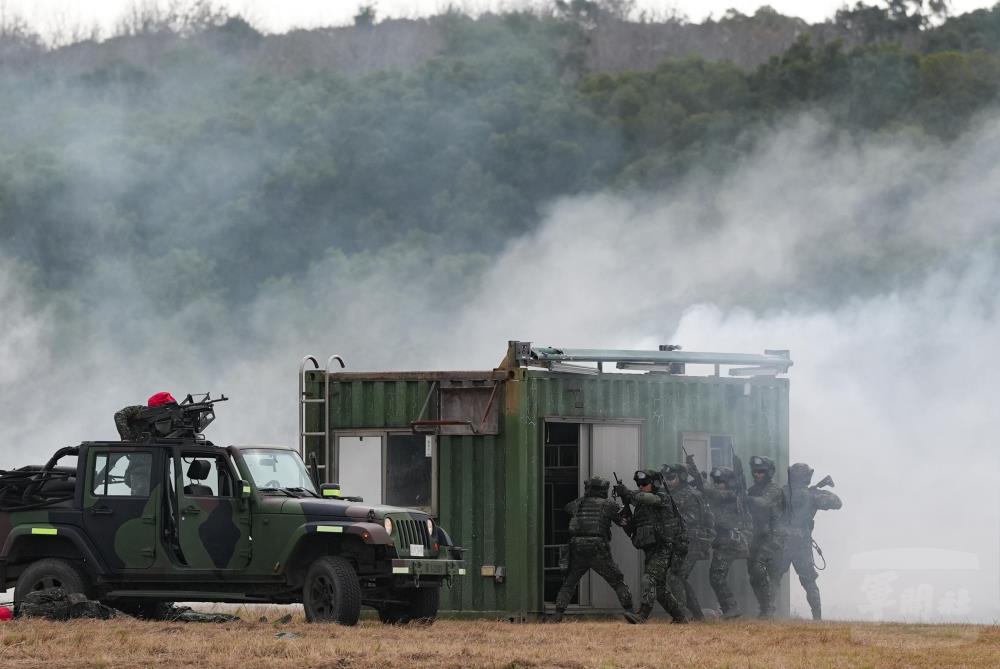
596	486
723	475
760	463
800	475
647	476
680	471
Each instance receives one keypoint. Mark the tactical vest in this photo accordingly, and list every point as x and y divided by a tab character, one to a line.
800	512
656	524
590	518
726	509
698	521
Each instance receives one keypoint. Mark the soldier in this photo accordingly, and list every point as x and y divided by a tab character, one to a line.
766	504
796	528
658	531
730	541
126	419
590	546
700	527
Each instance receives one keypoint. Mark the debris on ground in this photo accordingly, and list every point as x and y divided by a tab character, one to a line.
57	604
185	614
287	635
284	620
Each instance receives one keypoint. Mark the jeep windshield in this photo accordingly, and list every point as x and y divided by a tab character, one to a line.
278	470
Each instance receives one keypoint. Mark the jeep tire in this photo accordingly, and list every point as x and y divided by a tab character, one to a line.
331	592
421	607
51	573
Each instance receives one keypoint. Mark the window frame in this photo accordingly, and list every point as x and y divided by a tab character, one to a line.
181	473
331	474
97	452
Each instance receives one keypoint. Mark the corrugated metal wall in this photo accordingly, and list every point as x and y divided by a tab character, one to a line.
490	487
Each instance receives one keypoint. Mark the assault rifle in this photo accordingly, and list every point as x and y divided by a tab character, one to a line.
625	515
741	487
185	420
827	481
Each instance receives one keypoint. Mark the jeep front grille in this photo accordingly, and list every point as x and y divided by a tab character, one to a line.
412	532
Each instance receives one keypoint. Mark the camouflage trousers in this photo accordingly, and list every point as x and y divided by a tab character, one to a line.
725	551
587	553
654	584
679	580
762	566
798	551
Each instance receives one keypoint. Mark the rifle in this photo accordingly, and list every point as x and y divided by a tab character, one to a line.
741	485
827	481
692	468
625	515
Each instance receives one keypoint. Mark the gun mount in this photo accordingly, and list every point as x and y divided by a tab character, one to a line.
184	420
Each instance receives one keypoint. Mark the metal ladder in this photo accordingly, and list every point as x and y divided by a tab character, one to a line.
325	401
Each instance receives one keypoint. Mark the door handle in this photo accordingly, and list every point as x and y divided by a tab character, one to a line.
191	511
101	511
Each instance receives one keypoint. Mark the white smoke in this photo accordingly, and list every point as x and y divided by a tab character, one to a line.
890	384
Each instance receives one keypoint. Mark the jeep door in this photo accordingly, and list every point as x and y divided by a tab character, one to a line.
213	521
120	499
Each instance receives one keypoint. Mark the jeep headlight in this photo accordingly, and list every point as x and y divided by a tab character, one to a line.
387	523
430	527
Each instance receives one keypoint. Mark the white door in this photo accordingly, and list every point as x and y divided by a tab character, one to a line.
615	448
359	467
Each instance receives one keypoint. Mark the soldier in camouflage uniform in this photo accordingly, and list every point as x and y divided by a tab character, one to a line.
657	530
130	420
590	546
700	526
796	530
766	503
730	541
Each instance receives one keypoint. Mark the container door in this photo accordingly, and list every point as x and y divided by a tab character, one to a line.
615	448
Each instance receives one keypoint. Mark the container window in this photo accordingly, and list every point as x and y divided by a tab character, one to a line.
709	450
359	467
408	471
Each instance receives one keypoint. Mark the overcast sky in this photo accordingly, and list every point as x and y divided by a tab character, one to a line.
280	15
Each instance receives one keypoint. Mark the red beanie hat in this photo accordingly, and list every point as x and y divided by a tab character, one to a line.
161	398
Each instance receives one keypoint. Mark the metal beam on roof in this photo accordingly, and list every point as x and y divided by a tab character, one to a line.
780	360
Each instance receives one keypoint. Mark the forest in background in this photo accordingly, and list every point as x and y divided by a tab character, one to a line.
222	160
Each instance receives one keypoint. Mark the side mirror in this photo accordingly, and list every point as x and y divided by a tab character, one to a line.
244	489
330	490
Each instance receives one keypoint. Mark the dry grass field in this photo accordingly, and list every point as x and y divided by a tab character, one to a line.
733	645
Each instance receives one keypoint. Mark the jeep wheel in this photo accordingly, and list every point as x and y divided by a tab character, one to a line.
331	592
51	573
421	607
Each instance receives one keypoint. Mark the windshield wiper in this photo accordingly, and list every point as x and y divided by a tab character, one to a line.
305	490
281	490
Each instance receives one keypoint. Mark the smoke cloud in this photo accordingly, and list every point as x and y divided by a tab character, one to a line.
874	261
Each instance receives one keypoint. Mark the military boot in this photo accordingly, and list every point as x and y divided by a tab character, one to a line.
633	618
817	612
732	614
557	617
643	614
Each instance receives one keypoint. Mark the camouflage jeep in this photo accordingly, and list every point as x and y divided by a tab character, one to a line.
138	525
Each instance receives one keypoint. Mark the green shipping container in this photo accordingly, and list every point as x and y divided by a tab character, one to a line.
495	455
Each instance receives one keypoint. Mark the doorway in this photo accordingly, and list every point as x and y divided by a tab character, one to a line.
575	451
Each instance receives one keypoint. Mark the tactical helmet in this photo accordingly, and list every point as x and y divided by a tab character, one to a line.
596	484
799	475
646	477
670	471
759	463
722	475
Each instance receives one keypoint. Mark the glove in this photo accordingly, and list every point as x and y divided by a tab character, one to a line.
621	490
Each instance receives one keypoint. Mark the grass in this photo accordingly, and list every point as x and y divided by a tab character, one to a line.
448	643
